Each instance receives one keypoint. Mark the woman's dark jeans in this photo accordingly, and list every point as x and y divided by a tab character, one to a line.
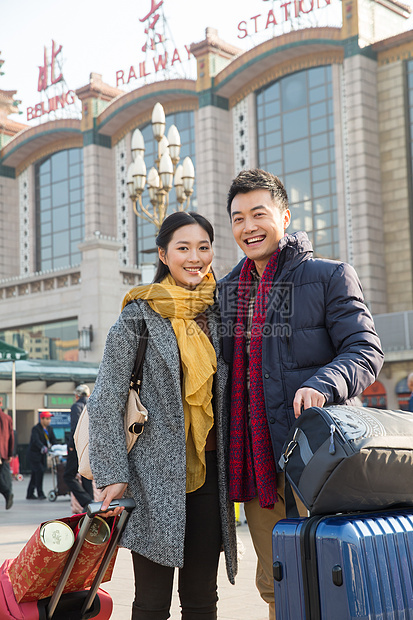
197	584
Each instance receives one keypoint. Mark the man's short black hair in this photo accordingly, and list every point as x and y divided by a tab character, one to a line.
250	180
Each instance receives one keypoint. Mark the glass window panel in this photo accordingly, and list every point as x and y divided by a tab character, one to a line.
61	243
75	183
318	110
45	192
261	142
45	204
46	253
316	76
76	195
298	186
294	91
321	173
261	127
296	156
60	193
319	142
272	124
295	125
47	228
75	220
60	219
76	207
320	157
45	166
322	221
321	205
318	126
324	250
45	216
273	139
274	154
76	170
321	189
75	156
317	94
61	261
330	121
59	166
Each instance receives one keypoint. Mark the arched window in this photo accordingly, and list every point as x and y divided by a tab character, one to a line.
59	209
146	231
295	129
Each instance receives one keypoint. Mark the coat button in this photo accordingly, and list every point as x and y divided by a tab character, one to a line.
267	376
272	420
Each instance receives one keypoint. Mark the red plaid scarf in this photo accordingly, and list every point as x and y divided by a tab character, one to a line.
243	451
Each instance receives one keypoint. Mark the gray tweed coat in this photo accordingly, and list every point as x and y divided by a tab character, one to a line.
155	468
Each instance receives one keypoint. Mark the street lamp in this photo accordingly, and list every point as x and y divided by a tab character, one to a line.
163	176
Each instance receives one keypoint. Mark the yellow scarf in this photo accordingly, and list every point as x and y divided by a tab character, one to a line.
198	359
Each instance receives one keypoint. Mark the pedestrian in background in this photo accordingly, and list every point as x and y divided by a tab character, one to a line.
83	491
42	438
6	452
410	386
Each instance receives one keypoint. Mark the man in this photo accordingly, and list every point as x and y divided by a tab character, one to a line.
297	334
42	438
6	452
83	492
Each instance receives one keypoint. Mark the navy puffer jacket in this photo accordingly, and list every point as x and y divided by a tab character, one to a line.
318	333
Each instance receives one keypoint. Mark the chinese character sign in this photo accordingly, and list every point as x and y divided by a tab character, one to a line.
43	81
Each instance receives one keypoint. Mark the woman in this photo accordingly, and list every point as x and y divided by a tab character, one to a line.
177	470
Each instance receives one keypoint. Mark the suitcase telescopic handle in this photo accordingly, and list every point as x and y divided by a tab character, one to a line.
95	508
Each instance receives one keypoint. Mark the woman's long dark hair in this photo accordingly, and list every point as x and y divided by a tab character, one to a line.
172	223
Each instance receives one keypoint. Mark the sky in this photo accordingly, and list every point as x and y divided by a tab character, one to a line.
106	37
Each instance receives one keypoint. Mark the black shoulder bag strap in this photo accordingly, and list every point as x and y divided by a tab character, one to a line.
136	377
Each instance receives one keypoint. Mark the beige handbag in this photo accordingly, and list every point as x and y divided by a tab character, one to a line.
134	418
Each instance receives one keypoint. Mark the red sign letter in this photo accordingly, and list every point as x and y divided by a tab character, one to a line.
271	19
242	30
255	19
161	62
188	52
284	6
309	10
52	63
120	77
154	8
176	57
131	75
42	81
142	70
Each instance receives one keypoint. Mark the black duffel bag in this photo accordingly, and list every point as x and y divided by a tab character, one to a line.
344	459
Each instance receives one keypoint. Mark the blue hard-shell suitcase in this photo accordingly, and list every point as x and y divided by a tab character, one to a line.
344	567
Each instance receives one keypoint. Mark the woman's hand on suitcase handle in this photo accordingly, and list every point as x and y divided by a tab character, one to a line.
307	397
109	493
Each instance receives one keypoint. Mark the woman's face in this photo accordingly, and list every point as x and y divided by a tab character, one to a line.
189	255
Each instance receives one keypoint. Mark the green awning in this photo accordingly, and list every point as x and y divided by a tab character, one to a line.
51	371
10	353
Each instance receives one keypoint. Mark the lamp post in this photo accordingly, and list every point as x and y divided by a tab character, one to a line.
166	173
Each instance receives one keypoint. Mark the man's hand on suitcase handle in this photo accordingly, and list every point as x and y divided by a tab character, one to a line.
307	397
109	493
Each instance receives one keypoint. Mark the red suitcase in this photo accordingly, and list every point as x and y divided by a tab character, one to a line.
90	603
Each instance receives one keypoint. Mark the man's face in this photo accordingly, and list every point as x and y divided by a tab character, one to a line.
258	225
